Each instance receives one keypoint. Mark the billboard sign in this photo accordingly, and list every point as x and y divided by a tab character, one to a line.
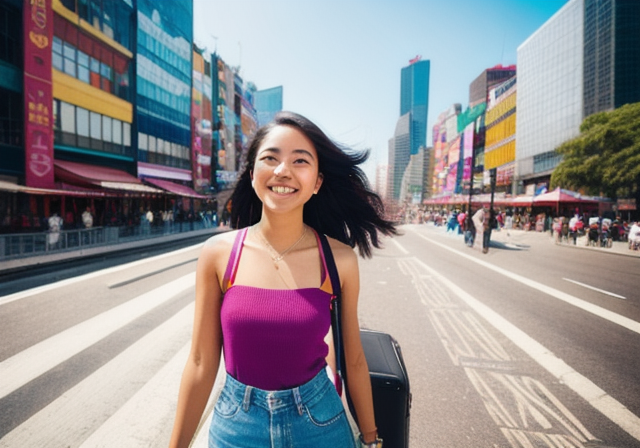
38	93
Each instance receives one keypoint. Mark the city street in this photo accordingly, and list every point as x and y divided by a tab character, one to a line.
531	345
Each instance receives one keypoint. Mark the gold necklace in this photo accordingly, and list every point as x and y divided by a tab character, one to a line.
278	256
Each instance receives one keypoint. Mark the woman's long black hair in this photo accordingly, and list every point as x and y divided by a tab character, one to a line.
344	208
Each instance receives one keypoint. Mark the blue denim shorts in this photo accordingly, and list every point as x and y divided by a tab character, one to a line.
308	416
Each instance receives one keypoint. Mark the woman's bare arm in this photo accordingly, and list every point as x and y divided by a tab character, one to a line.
358	381
204	358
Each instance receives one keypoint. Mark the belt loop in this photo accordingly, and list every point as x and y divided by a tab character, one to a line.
246	402
298	400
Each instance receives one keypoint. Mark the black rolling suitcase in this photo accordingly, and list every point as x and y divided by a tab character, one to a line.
390	387
388	374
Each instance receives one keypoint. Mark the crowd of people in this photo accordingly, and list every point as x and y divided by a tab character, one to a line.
599	230
89	218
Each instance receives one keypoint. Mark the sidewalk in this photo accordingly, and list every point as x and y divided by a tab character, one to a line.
532	237
21	263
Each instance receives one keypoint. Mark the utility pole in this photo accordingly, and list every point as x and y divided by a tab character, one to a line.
473	168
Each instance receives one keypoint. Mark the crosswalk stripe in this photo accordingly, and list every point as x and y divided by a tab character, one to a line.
81	278
79	412
147	418
43	356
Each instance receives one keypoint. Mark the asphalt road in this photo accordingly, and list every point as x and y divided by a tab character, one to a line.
514	348
460	305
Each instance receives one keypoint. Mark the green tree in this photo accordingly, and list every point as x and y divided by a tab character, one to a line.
605	157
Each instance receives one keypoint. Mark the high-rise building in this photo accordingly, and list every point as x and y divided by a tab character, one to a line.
163	109
411	128
583	60
268	103
550	98
399	155
414	99
611	54
478	95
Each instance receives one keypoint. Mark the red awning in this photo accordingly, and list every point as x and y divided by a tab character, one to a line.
177	189
91	175
64	191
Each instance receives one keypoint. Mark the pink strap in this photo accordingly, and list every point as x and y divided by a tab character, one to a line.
234	259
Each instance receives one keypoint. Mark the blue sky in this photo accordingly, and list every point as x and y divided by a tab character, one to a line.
339	61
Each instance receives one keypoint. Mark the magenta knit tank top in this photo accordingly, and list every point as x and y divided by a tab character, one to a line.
273	339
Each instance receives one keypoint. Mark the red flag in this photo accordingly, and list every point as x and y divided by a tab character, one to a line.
416	59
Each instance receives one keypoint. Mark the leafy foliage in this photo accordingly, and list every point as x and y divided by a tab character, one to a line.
605	157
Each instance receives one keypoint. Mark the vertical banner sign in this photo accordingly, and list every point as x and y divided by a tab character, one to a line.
38	93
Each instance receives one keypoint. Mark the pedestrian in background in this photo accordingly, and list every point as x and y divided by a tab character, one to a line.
87	218
478	223
55	225
263	293
487	225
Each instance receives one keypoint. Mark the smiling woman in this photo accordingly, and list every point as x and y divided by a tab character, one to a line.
263	294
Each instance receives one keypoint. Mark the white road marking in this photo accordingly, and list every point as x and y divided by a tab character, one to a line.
74	415
71	281
595	289
596	310
147	418
43	356
399	246
594	395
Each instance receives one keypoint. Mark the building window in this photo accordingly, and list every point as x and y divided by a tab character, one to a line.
11	121
67	118
58	60
126	134
83	67
143	140
91	62
10	34
106	128
117	132
96	126
82	122
75	126
69	53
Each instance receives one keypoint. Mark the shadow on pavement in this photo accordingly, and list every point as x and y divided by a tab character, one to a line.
508	246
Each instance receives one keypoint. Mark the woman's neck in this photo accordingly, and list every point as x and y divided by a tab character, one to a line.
280	230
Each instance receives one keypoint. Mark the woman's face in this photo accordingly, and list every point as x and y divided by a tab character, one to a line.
285	173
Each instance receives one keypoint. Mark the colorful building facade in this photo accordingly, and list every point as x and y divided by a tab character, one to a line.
500	140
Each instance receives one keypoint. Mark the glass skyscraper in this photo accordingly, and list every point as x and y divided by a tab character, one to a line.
549	101
414	102
164	72
414	99
611	54
268	103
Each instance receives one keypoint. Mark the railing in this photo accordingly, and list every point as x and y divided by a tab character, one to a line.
22	245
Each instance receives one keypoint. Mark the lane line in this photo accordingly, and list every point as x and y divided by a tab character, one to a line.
45	355
583	386
399	246
70	281
596	310
595	289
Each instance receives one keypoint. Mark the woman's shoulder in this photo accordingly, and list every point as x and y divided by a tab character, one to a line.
345	256
219	246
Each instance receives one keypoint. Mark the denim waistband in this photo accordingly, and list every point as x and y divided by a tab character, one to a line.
279	400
